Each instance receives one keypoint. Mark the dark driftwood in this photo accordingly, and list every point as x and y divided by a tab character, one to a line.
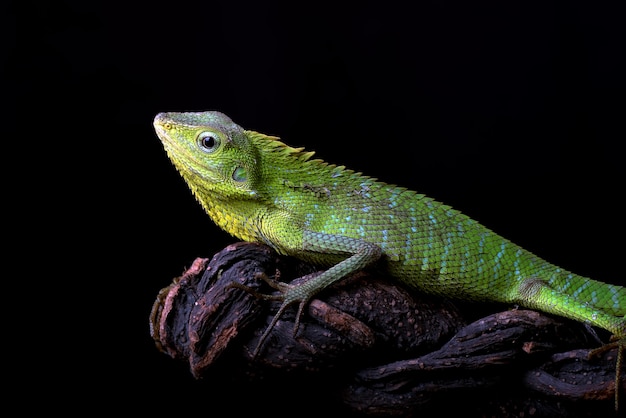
394	352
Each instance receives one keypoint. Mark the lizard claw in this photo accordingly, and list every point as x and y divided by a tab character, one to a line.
275	284
286	303
289	295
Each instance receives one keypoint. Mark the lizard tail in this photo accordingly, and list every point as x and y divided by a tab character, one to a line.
608	298
535	293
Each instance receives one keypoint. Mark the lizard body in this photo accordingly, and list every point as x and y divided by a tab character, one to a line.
259	189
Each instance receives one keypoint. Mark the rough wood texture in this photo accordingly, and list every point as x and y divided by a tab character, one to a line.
389	352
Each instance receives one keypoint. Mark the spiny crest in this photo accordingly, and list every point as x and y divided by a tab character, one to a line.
274	144
288	153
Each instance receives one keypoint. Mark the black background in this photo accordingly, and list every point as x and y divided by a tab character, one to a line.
512	112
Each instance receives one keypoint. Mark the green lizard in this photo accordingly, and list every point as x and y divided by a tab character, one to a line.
259	189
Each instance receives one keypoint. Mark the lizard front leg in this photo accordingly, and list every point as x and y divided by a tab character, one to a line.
359	254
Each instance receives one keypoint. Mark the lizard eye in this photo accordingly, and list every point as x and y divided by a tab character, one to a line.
208	141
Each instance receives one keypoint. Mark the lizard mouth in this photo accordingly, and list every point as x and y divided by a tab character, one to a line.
189	166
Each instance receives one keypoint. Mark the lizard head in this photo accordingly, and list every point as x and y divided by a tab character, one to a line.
211	152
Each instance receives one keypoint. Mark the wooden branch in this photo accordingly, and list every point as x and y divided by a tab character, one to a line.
395	352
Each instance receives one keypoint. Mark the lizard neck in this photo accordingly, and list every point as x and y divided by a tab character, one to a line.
238	218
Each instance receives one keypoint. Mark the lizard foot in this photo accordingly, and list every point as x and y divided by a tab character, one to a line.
289	295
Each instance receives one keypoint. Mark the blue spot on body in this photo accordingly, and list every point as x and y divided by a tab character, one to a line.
617	302
479	269
481	243
568	283
393	198
581	289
